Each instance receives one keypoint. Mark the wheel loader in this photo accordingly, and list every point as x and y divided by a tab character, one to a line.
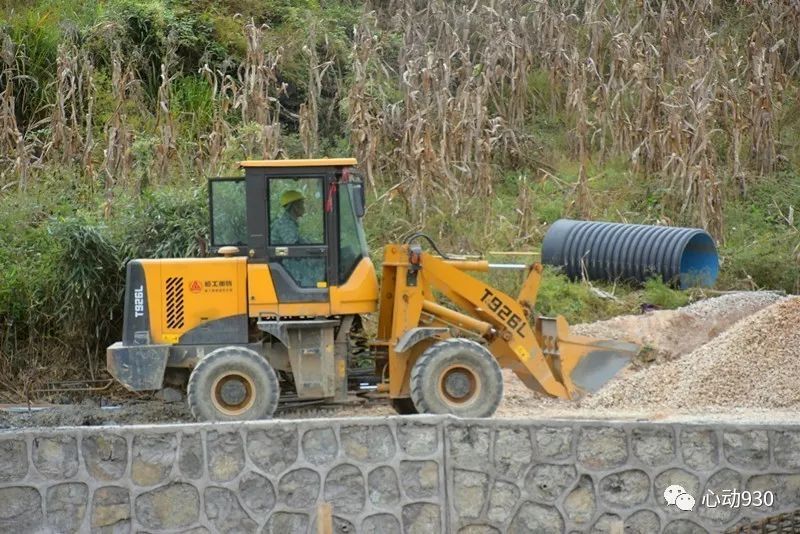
276	315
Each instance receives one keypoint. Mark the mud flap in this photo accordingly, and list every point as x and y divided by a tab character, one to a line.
602	363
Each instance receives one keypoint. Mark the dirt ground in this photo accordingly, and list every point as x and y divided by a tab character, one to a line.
673	340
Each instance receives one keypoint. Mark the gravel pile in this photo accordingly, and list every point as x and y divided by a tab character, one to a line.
668	334
753	364
673	333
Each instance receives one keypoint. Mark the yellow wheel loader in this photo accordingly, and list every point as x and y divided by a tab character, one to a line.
277	315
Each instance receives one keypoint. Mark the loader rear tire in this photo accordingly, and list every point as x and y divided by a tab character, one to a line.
457	376
233	384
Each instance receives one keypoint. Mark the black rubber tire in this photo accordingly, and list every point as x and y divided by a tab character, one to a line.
404	406
431	367
241	361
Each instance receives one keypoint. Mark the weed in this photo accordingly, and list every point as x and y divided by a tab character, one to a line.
658	293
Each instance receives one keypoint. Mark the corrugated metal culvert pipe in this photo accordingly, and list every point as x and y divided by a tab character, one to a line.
684	257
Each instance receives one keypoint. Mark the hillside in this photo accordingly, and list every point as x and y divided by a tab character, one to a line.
477	122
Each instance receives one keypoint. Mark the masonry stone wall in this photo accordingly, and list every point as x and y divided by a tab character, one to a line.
609	477
393	475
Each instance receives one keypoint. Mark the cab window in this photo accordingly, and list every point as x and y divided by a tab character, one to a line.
296	215
352	242
297	219
228	212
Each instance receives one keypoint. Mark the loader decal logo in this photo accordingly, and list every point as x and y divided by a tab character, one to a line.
138	301
218	286
504	313
211	286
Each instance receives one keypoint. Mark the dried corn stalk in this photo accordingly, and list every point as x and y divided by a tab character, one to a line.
65	118
309	110
365	116
166	148
117	161
260	89
13	148
224	95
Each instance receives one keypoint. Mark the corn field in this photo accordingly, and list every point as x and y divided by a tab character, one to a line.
440	98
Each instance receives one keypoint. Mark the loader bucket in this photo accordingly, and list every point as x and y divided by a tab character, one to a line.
585	363
604	359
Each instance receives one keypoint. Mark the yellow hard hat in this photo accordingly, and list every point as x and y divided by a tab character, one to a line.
291	195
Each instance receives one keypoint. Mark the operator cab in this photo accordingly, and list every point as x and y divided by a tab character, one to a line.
300	217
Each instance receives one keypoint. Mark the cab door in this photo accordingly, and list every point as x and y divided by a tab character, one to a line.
298	228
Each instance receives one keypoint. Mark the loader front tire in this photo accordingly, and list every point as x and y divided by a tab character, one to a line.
404	406
233	384
457	376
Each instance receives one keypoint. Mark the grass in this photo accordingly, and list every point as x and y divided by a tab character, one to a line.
761	245
656	292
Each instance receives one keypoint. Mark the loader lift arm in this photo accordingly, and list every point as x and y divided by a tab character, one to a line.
511	340
545	356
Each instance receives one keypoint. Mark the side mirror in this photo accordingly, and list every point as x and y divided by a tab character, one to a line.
359	199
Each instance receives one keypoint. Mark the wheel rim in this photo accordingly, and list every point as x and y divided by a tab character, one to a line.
233	393
459	385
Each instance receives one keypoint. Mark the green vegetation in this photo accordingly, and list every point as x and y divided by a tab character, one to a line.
112	115
661	295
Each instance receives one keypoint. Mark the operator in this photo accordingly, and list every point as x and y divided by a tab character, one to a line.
285	229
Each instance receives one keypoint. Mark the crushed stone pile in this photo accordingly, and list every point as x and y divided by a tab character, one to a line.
669	334
673	333
753	364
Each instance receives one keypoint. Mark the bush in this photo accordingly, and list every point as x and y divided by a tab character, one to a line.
28	258
87	282
166	223
37	37
62	276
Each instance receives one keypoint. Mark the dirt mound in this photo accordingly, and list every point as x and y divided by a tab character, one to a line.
754	364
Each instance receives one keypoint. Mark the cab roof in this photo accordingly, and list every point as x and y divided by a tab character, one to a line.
324	162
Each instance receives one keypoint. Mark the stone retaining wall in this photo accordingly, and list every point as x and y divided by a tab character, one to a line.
392	475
